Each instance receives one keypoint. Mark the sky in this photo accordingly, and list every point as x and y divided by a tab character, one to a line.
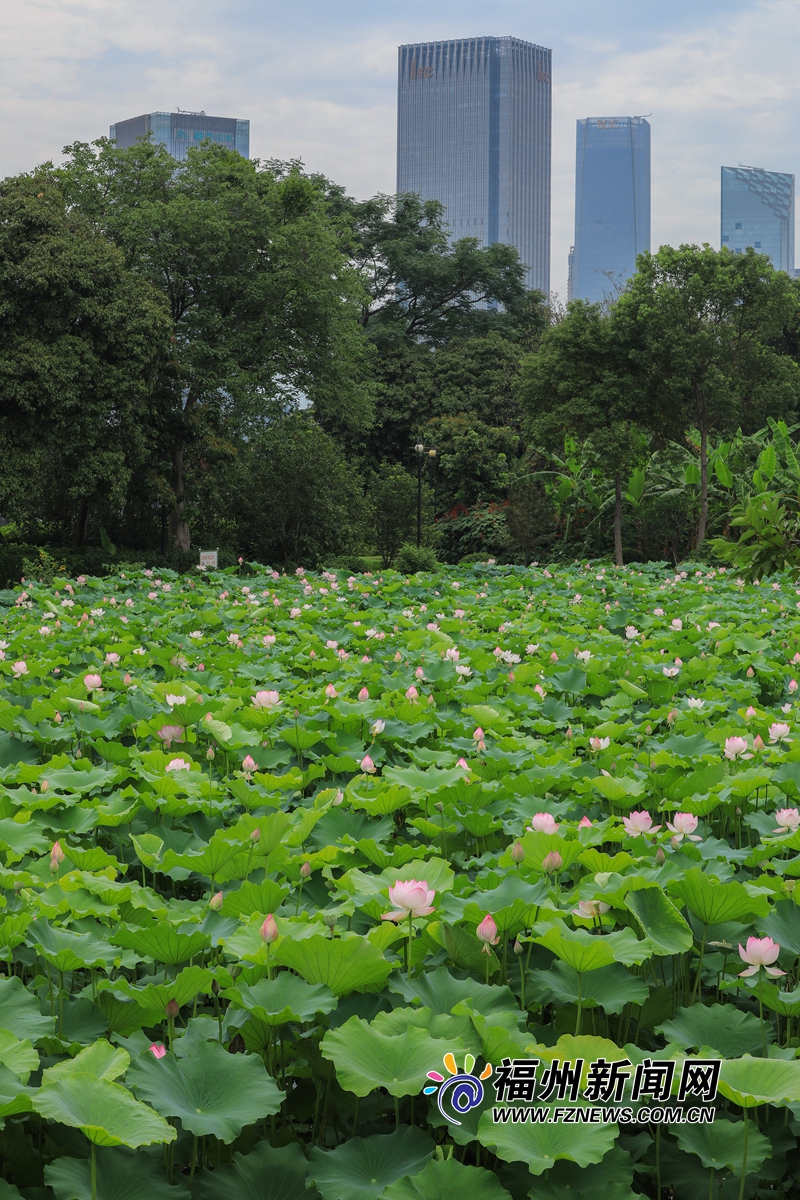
318	78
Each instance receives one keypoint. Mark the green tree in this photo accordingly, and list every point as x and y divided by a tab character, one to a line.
265	306
582	382
704	329
393	504
83	348
292	495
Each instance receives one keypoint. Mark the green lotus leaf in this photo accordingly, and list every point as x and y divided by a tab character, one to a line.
161	942
148	849
285	998
537	846
611	1179
458	1030
212	1091
722	1026
102	1060
783	925
450	1180
209	862
365	1058
68	951
122	1174
344	964
440	991
578	948
362	1168
20	1012
609	988
267	1173
786	1003
155	997
437	873
21	838
721	1146
105	1112
749	1082
660	921
251	898
540	1146
18	1055
713	902
14	1096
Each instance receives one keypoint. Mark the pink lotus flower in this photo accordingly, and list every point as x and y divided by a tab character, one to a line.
736	747
249	763
411	898
158	1050
590	908
792	685
683	825
540	691
215	903
127	681
92	682
786	820
170	734
487	933
269	930
552	863
779	732
639	823
178	764
56	856
544	822
598	744
412	693
759	954
330	692
419	673
266	699
758	743
363	694
751	712
584	823
462	762
367	765
517	853
20	668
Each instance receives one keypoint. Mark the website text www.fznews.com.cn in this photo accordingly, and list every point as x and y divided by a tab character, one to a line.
614	1115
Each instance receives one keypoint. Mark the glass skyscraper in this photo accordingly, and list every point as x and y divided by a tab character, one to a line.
178	131
473	131
612	203
758	211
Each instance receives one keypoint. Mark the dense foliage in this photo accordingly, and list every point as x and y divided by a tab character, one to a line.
214	794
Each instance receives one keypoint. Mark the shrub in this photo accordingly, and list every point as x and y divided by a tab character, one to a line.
411	559
481	530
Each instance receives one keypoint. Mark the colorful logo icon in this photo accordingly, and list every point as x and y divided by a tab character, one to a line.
463	1089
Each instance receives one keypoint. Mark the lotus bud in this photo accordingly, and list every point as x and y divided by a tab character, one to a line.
672	716
758	742
487	933
57	718
674	842
750	672
44	786
412	693
517	853
255	836
215	988
330	920
248	763
172	1009
398	657
420	674
792	685
553	862
648	729
660	856
305	870
79	753
157	1049
367	765
269	930
330	692
569	733
338	798
518	947
584	823
127	681
215	903
56	854
210	755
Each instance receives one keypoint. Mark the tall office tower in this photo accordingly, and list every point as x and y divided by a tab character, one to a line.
473	131
758	211
178	131
571	274
612	203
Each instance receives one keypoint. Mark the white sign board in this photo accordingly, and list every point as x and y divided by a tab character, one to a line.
208	559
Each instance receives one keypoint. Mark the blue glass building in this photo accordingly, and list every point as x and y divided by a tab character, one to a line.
178	131
758	210
612	203
473	131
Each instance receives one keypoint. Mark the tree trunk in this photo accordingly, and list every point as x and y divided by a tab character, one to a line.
80	525
701	525
618	519
179	530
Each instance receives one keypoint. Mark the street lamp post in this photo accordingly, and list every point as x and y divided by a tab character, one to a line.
432	457
420	449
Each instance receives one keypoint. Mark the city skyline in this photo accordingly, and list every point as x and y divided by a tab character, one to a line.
319	83
474	132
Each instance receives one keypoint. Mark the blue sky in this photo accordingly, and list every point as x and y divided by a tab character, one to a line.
317	79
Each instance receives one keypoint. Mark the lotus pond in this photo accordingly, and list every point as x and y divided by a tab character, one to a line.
299	873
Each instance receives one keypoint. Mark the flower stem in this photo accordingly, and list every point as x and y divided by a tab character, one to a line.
744	1156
